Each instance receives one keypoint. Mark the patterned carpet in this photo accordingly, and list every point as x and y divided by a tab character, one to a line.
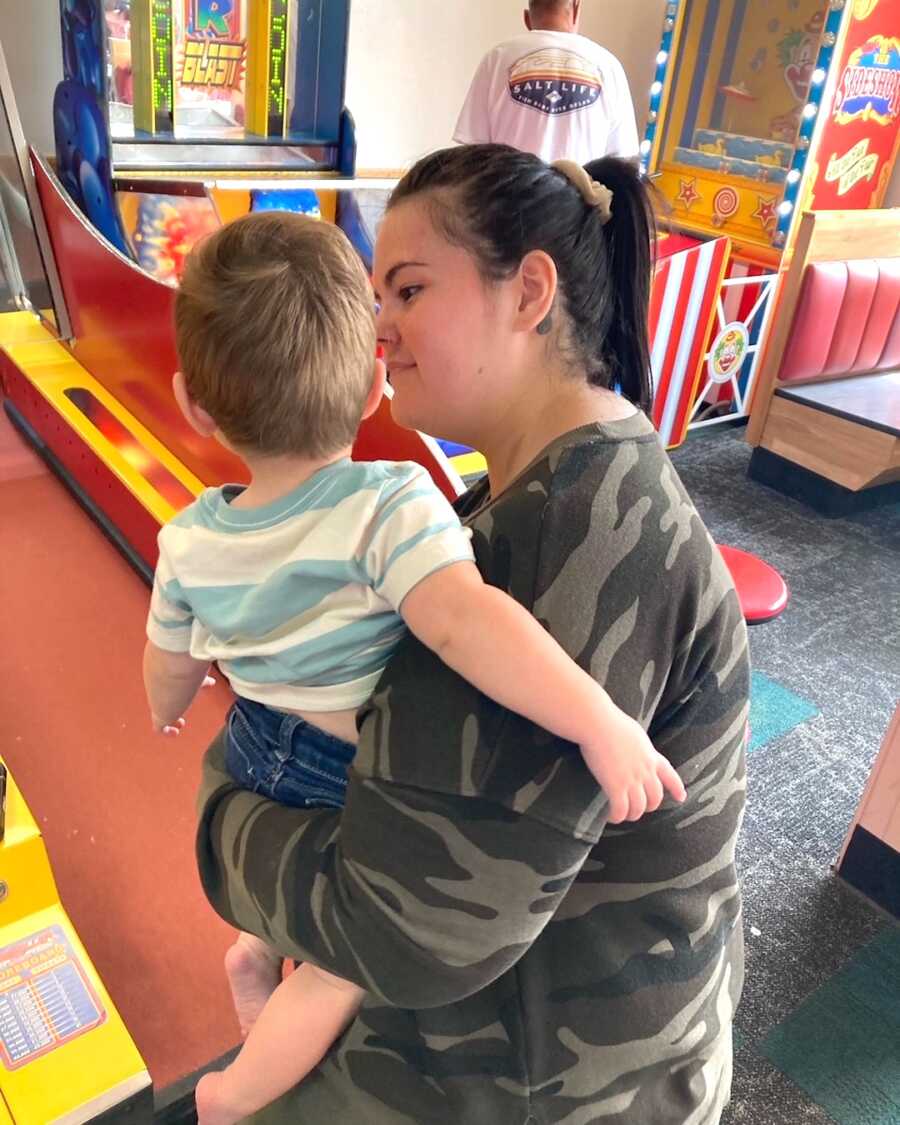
818	1030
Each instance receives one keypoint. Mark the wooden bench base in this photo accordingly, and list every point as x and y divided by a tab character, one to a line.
853	454
870	856
833	442
826	497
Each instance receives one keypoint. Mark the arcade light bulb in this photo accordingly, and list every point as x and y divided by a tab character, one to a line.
662	57
656	88
785	208
810	110
645	147
818	76
794	175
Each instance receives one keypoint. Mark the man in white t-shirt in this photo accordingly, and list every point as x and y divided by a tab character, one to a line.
552	92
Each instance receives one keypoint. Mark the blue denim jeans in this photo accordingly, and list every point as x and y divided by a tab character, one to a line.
285	758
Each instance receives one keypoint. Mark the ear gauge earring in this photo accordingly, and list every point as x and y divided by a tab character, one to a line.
543	329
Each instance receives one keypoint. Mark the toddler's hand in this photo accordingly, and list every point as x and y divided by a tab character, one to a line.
631	772
170	730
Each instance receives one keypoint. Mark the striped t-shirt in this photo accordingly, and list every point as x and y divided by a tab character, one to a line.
298	600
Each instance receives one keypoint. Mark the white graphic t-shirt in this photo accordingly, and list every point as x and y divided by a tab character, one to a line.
552	93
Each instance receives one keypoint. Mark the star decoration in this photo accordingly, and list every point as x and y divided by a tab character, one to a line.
765	211
688	194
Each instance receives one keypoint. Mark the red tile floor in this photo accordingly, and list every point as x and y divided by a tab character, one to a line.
114	802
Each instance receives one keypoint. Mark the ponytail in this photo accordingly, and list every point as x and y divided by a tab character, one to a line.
629	235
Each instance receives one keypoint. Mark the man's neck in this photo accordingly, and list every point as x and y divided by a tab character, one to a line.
554	25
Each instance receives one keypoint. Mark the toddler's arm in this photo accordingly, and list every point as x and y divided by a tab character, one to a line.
496	644
171	680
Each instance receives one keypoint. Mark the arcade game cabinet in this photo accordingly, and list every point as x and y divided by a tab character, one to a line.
761	110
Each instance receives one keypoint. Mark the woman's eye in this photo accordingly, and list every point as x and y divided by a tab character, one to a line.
408	292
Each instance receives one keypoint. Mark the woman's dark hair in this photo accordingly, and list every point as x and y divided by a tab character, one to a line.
500	204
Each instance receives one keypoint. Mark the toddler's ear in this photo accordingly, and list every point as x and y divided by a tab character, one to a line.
194	414
376	393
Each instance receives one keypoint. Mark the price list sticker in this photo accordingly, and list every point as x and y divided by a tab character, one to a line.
45	997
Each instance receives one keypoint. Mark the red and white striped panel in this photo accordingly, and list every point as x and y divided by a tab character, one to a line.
682	310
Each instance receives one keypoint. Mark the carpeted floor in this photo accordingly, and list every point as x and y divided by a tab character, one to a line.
818	1030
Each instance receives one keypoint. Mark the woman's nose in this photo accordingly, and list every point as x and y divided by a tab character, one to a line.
384	329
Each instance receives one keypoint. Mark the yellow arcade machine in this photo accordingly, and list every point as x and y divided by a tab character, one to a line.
65	1054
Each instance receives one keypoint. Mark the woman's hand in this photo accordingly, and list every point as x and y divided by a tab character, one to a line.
632	773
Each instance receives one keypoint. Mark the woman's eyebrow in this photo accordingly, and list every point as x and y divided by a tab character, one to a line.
394	270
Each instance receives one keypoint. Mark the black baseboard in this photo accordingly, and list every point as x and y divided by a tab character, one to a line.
824	495
873	868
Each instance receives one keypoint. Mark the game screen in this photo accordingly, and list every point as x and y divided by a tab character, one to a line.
209	60
739	110
210	47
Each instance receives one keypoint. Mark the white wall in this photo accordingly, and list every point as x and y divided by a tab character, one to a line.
410	65
29	33
631	29
409	68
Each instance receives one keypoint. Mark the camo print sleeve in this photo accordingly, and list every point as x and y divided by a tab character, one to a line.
522	963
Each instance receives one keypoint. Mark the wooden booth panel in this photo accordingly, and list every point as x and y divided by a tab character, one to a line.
853	456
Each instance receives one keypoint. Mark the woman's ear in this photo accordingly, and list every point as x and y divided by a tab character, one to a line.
194	414
538	283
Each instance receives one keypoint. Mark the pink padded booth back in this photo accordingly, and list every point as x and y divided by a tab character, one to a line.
853	316
815	319
846	321
883	319
890	357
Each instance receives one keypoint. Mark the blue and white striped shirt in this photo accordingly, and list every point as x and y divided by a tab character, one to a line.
298	600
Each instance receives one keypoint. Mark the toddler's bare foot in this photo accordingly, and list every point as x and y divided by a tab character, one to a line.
212	1104
254	972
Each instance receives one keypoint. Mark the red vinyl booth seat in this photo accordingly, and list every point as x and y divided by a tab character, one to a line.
846	321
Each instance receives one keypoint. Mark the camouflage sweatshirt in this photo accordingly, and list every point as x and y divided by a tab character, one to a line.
525	962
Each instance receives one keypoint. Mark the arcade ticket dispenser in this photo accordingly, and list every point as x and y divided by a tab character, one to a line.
761	109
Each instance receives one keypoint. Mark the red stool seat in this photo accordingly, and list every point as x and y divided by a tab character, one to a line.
762	591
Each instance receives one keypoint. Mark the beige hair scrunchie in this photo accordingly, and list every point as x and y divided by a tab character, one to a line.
594	194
